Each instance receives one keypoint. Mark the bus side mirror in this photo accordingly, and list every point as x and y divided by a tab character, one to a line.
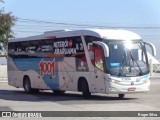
104	46
153	48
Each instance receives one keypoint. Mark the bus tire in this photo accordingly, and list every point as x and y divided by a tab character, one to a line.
85	89
27	85
121	96
59	92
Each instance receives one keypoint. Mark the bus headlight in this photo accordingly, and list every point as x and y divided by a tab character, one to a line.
113	81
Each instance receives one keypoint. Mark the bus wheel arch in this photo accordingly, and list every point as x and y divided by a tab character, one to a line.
83	87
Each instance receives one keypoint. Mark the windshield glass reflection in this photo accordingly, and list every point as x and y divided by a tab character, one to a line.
127	58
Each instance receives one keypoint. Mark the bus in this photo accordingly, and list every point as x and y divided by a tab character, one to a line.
107	61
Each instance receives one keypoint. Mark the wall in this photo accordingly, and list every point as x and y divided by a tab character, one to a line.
3	71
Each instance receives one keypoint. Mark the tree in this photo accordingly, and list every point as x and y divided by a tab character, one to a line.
7	20
1	1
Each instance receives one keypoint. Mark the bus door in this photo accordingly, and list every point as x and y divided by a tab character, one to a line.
98	60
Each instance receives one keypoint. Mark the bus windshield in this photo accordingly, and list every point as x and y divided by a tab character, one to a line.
127	58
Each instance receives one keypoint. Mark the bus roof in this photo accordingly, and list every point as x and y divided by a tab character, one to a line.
113	34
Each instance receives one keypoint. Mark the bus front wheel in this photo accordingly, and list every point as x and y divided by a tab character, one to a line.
85	89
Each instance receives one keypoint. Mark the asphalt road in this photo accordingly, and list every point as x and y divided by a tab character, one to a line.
15	99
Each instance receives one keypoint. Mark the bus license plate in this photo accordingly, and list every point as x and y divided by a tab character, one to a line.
132	89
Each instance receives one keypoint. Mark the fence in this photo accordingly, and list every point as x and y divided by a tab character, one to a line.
154	69
3	72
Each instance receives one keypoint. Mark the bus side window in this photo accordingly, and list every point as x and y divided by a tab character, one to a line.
98	57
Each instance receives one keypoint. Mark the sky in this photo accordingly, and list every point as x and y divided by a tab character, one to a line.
95	12
36	16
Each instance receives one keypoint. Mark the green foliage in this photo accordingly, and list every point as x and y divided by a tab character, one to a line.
2	1
7	20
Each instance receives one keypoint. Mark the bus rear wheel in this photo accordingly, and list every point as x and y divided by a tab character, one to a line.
27	86
121	96
58	92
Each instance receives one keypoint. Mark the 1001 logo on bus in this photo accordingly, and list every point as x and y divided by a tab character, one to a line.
47	67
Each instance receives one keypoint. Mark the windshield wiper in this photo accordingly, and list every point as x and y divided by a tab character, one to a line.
122	65
124	61
141	72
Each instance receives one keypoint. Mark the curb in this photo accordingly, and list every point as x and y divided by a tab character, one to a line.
3	81
155	77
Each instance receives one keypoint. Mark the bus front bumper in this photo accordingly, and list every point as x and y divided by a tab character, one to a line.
116	88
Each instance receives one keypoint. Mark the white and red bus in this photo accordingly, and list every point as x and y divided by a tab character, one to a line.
109	61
